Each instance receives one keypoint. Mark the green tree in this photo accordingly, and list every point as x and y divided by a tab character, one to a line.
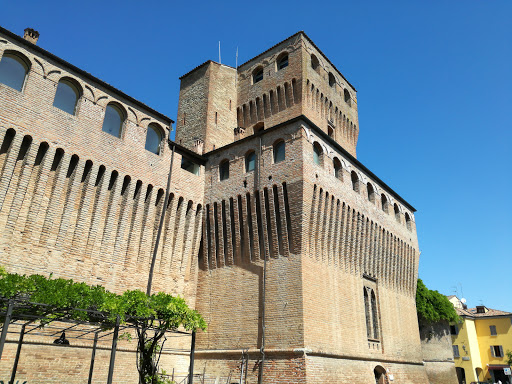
509	357
433	306
60	298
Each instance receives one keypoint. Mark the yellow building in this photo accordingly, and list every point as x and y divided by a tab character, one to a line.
480	343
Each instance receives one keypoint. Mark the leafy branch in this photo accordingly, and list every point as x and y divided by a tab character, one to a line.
433	306
152	316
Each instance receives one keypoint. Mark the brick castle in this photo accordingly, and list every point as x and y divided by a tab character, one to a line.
302	261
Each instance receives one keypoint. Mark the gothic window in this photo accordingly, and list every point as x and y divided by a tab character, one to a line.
282	61
371	313
279	151
250	161
154	138
114	119
67	95
257	75
367	313
375	316
13	70
224	170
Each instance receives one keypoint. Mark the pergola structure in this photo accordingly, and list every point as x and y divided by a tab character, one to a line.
24	317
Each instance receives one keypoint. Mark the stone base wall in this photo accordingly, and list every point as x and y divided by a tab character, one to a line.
441	372
296	368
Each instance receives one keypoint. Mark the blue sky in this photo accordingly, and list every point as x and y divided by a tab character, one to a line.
434	82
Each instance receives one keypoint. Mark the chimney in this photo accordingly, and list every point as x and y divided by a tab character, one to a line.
198	146
31	35
239	133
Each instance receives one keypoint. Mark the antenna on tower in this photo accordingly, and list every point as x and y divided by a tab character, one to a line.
220	62
236	66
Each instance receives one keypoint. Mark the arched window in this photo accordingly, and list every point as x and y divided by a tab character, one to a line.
408	221
67	95
257	75
250	161
397	213
338	170
355	181
375	315
332	80
13	70
384	203
279	151
367	313
224	170
282	61
315	64
371	192
317	153
258	127
154	138
114	119
347	97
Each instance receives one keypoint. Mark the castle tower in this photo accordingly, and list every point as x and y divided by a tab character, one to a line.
219	104
207	107
308	265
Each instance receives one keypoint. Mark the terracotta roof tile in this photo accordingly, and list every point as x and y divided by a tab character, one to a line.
490	312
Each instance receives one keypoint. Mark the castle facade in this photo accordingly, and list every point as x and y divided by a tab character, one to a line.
302	261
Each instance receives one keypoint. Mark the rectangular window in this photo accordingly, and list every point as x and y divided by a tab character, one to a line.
496	351
456	351
454	330
493	330
189	166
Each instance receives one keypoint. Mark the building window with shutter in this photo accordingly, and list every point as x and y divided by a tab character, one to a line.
454	330
497	351
455	351
493	330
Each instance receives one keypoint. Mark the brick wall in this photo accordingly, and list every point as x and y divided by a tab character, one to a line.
79	203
